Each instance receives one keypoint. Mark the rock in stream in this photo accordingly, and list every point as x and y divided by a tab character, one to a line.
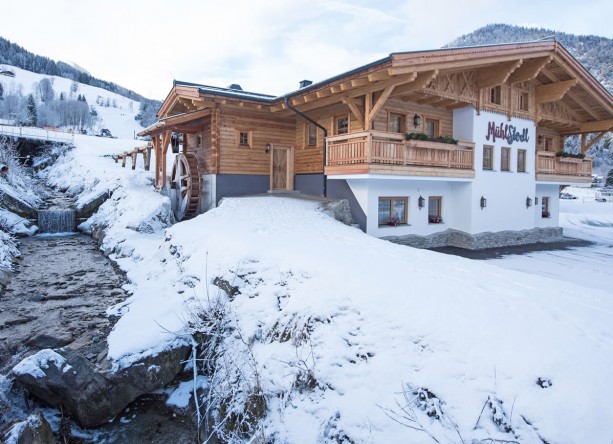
54	304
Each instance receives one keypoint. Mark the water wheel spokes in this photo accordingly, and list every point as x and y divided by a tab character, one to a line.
185	181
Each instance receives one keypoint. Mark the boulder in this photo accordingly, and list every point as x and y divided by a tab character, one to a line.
339	210
88	209
92	397
18	206
34	430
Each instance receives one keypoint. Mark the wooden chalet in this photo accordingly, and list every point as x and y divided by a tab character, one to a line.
509	107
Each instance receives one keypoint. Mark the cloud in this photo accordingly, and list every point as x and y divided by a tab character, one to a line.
266	45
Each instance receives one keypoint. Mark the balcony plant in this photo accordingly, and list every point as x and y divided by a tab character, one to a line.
425	137
571	155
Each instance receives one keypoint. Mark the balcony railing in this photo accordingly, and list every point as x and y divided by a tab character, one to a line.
381	148
547	163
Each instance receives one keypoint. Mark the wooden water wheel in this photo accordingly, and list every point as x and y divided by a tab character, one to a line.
186	183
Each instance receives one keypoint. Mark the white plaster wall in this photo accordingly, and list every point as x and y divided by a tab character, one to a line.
553	192
418	224
505	191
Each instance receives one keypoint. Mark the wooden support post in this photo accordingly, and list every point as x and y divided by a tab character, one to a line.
164	148
133	155
585	147
147	157
123	160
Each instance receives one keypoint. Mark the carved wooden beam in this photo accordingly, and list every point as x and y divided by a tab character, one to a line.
378	76
360	82
585	147
529	69
456	105
353	106
421	81
553	91
337	95
377	106
496	74
346	86
277	108
595	127
429	99
551	76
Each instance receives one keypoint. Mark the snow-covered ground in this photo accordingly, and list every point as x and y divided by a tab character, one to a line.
581	218
118	117
372	322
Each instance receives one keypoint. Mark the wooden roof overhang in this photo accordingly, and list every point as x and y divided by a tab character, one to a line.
188	123
557	76
187	97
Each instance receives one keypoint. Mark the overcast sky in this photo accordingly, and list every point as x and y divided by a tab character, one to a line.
266	46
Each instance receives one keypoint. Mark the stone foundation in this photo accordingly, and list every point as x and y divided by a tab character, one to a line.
479	241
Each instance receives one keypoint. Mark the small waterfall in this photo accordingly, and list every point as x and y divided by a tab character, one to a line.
57	221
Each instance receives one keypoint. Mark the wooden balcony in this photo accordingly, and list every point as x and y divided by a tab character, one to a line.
378	152
551	168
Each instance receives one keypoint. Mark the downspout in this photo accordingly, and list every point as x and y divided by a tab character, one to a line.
307	118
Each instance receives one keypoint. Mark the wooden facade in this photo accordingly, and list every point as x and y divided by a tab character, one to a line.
367	111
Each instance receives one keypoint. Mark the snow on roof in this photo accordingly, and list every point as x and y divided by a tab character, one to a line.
229	92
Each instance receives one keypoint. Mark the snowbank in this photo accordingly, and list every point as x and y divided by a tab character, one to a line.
479	351
380	318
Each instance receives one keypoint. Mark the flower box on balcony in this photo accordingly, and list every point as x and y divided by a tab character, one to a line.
570	159
435	220
428	144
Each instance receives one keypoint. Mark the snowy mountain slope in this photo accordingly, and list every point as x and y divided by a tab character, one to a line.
119	119
366	319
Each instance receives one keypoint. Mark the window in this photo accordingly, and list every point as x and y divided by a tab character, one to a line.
341	125
432	127
244	138
521	161
393	210
505	159
434	210
311	135
496	95
545	207
488	155
523	101
199	141
396	123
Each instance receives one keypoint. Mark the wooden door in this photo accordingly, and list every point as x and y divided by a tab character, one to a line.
281	168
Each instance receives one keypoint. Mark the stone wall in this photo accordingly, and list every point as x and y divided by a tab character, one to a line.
480	241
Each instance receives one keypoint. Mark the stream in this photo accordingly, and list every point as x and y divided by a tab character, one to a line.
57	296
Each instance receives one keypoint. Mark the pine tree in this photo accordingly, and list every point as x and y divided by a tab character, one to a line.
609	182
32	114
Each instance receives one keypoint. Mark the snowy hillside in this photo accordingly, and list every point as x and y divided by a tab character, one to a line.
118	116
341	337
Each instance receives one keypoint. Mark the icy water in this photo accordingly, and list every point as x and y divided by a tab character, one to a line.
58	296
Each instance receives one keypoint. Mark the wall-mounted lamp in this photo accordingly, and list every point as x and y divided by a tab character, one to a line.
540	139
528	202
483	202
421	202
267	148
416	120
